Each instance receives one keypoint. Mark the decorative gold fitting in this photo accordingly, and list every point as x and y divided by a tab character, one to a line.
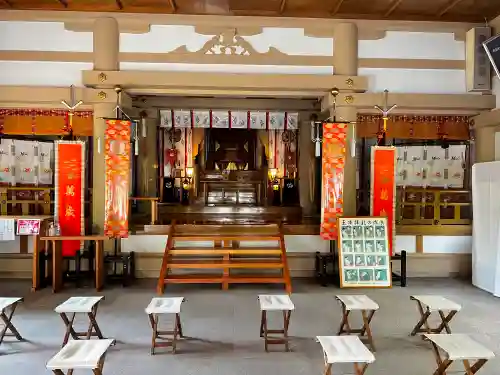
349	99
102	77
349	82
102	95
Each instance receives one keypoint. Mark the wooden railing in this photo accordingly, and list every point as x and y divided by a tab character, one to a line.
39	201
433	207
153	201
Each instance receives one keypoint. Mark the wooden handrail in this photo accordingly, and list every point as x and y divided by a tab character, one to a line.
160	288
154	206
284	260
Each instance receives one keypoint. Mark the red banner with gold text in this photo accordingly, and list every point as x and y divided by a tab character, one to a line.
333	161
69	192
383	188
117	159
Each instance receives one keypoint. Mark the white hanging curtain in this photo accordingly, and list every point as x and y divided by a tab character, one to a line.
225	119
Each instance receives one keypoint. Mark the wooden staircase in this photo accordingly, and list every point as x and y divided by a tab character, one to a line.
236	264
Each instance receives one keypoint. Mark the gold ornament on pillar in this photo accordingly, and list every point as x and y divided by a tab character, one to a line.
71	108
385	110
333	118
349	99
102	77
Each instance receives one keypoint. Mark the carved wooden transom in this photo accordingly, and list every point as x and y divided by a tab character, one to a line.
228	43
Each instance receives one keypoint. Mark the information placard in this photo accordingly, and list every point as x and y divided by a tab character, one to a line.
364	260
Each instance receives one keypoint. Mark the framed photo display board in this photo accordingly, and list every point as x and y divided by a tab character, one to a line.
364	256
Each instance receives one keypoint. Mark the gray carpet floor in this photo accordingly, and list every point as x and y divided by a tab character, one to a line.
222	329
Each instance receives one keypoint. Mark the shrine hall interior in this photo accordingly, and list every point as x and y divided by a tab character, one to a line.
243	160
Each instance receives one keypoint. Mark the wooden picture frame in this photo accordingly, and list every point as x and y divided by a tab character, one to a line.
363	252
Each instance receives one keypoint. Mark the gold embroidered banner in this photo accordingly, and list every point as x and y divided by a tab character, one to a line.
69	192
117	159
333	161
383	188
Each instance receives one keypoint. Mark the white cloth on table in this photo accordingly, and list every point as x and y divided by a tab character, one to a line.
7	230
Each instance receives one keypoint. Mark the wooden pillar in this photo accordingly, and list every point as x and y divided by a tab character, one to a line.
306	166
345	62
106	49
485	144
106	44
147	161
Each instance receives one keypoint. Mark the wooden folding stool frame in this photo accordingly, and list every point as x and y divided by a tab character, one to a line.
443	364
6	318
264	331
424	316
359	368
95	371
93	329
157	334
345	328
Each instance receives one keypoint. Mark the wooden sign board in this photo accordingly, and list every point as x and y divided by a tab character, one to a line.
364	256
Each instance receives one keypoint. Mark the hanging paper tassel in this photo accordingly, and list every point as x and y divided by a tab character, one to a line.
143	127
136	147
98	145
353	141
318	149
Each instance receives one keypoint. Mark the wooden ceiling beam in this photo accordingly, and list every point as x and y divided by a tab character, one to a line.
336	7
452	4
119	4
282	6
394	5
173	5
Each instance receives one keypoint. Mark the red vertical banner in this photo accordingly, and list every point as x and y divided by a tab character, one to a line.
117	167
383	188
333	162
69	192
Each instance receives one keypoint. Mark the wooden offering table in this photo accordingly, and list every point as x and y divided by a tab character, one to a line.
57	276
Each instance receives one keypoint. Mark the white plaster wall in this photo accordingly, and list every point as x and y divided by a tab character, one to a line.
13	247
51	36
42	73
448	244
413	45
407	243
226	68
496	88
166	38
42	36
307	244
416	81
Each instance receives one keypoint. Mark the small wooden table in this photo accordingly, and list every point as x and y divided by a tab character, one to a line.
80	305
157	307
281	303
345	349
7	304
458	347
57	276
428	304
357	303
88	355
